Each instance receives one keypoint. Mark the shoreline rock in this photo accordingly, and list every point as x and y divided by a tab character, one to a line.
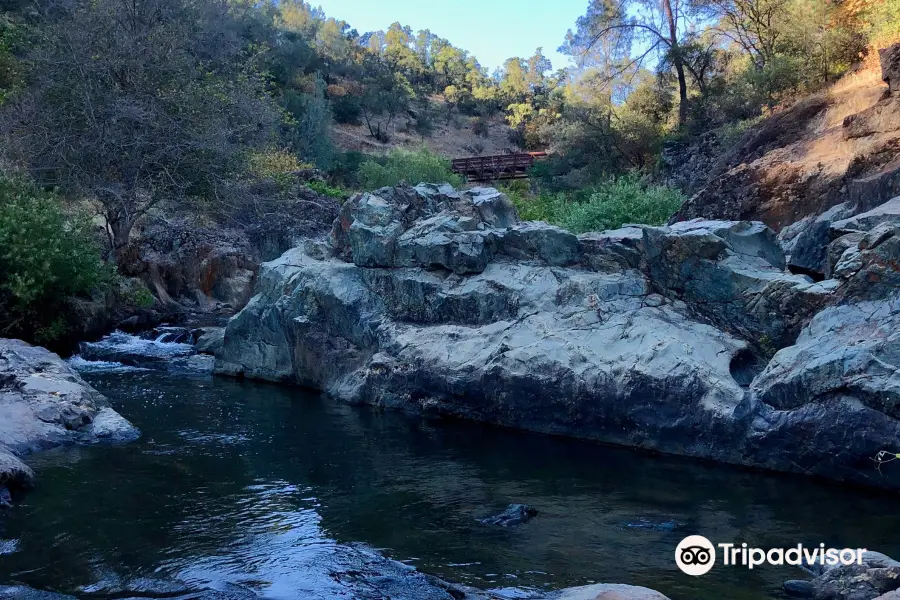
44	404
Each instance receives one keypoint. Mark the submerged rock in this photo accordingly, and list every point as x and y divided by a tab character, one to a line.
514	514
650	337
44	403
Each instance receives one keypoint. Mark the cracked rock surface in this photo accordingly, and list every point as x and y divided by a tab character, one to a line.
441	302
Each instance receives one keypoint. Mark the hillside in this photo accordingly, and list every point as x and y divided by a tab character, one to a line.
834	146
455	137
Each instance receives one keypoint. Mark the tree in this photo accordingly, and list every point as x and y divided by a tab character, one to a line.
753	25
538	66
514	84
610	30
135	103
385	95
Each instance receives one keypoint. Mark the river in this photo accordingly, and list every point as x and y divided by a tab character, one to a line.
260	486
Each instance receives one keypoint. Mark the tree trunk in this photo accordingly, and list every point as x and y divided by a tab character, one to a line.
677	61
121	234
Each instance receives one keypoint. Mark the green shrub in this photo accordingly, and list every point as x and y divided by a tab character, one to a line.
411	167
628	199
345	168
45	259
323	188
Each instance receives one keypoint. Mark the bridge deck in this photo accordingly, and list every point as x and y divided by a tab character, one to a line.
500	166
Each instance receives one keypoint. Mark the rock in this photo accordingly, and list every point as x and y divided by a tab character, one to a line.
607	591
646	337
809	248
442	241
890	66
43	403
210	340
732	272
614	250
14	473
889	212
837	389
797	588
541	241
108	425
495	209
514	514
172	335
879	119
855	582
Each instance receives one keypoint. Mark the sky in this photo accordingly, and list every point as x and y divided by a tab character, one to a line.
491	30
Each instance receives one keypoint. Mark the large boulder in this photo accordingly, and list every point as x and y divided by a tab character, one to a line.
651	337
43	403
838	390
806	242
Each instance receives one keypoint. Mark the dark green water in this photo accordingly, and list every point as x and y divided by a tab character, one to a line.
254	484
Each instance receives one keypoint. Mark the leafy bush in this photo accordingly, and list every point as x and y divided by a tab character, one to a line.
628	199
45	259
347	109
345	168
323	188
411	167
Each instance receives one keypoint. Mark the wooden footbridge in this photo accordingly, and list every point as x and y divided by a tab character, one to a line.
499	166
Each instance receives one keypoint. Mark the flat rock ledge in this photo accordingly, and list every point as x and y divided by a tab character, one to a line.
691	339
43	404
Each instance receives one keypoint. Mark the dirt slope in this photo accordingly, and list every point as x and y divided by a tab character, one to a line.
838	145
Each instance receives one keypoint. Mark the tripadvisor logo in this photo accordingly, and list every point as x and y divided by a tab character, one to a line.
695	555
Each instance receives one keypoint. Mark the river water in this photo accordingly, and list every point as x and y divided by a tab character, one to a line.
240	483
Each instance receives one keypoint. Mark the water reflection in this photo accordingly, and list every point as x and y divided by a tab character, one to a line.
241	484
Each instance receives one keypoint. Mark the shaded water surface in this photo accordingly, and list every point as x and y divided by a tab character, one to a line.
256	485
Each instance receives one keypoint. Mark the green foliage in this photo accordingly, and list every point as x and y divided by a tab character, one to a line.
46	258
609	205
730	133
884	17
323	188
312	122
345	168
619	201
411	167
277	165
133	291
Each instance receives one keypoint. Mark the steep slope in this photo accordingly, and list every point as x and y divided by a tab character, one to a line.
841	145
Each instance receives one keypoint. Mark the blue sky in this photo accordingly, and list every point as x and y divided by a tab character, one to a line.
492	30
